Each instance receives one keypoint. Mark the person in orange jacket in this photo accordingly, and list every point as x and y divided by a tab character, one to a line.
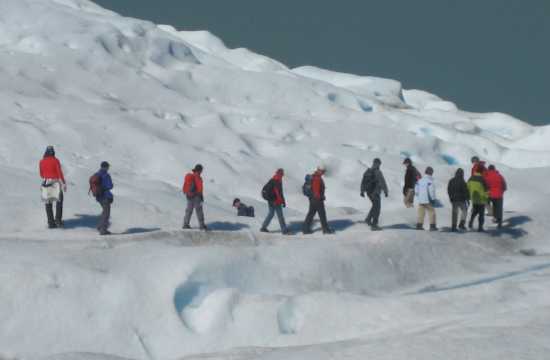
273	194
497	186
52	177
316	201
193	189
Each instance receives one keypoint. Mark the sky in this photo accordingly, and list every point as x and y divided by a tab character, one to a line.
489	55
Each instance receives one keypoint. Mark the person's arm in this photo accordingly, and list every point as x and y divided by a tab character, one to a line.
504	185
107	182
59	171
382	182
40	169
364	184
449	192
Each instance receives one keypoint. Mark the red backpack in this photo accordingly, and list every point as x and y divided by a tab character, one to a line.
95	185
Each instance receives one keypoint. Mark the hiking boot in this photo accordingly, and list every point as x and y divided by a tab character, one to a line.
204	228
470	224
433	227
59	224
264	230
375	228
328	231
52	226
186	227
307	232
368	221
480	229
462	225
105	232
286	232
419	227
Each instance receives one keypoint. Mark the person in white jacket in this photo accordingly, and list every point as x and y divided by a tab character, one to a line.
425	198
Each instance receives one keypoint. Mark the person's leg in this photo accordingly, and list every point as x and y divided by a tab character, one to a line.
454	216
197	204
463	214
49	214
376	207
188	212
306	228
281	218
499	205
481	217
323	217
431	214
475	210
421	215
59	210
409	198
369	217
269	217
105	215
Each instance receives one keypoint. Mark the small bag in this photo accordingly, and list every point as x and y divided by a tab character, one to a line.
51	191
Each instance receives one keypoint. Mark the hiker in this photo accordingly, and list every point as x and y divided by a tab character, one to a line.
242	209
53	187
272	192
373	184
314	189
479	197
459	197
477	165
193	189
425	196
497	186
101	185
411	177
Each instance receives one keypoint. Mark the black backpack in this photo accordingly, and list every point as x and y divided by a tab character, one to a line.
307	190
368	184
267	191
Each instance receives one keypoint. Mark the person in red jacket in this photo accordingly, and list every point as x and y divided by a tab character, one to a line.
276	201
53	179
478	166
317	203
193	190
497	186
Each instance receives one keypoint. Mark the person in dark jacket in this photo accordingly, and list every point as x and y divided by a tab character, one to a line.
53	183
373	184
242	209
459	197
317	203
105	198
411	177
275	201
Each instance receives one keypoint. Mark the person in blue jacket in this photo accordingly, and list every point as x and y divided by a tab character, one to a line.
105	198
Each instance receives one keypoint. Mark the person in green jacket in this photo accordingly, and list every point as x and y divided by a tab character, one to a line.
479	197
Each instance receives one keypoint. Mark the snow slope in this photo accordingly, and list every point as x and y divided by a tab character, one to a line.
153	102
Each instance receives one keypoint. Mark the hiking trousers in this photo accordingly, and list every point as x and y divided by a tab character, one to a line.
408	199
58	211
374	213
462	207
478	210
275	209
422	210
498	205
194	203
316	206
103	224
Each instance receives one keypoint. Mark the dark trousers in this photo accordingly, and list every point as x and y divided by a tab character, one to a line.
58	211
478	210
498	205
103	224
374	212
315	206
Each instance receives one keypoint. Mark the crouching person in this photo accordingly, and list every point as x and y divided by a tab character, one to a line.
242	209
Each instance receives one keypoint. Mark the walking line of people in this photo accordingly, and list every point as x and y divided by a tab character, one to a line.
485	188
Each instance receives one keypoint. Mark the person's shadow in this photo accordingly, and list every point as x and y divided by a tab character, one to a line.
91	221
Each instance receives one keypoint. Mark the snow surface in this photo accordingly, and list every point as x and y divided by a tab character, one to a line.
153	102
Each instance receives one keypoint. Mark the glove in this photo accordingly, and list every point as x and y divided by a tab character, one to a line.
362	194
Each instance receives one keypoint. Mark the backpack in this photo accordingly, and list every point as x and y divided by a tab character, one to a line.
307	189
95	185
267	191
189	186
368	184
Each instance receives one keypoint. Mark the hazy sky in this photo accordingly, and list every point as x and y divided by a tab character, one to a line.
485	55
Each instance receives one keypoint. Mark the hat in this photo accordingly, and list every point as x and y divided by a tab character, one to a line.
492	167
280	171
475	159
407	161
377	161
429	170
105	165
197	168
49	151
236	201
